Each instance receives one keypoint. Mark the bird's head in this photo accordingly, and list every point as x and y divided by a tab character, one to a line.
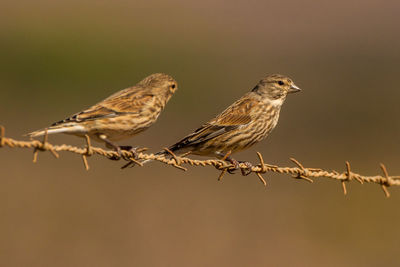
276	87
161	83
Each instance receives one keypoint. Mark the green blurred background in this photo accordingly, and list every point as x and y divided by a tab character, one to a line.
58	57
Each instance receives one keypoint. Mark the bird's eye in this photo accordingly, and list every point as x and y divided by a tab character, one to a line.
280	82
173	86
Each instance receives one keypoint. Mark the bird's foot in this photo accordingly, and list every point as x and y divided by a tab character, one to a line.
236	166
247	171
119	152
111	144
135	156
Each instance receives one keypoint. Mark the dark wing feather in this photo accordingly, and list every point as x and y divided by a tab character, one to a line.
230	119
127	101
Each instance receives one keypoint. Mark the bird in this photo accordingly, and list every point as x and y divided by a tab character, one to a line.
121	115
243	124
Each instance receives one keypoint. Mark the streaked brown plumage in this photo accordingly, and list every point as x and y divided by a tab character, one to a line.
122	115
246	122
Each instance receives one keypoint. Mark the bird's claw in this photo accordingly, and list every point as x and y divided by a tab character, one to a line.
119	156
130	149
135	155
247	171
236	166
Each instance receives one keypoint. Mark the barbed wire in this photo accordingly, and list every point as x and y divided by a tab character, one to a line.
298	172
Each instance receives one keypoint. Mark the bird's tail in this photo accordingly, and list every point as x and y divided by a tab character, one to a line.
61	128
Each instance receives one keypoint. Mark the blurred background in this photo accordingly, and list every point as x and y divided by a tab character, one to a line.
58	57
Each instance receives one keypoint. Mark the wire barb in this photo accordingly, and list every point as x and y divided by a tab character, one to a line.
223	168
349	176
302	174
223	172
299	172
177	160
385	182
44	146
262	180
2	135
263	169
89	152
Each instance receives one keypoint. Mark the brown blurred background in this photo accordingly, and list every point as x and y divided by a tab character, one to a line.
58	57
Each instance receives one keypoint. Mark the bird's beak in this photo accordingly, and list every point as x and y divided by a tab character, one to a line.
294	89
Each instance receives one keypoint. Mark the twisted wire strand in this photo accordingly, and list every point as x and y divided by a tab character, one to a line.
298	172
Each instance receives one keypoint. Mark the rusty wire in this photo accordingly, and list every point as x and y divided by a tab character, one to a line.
298	172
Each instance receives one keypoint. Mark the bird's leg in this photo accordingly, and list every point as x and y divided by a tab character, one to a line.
236	163
111	144
226	157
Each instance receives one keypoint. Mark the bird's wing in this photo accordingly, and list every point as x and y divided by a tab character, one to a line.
127	101
235	116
